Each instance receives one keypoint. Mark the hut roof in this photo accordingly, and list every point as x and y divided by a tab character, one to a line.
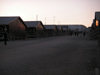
50	26
32	23
75	27
7	20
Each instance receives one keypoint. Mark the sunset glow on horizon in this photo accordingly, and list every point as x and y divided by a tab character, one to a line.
52	11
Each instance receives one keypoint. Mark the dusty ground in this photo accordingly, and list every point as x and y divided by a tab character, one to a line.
65	55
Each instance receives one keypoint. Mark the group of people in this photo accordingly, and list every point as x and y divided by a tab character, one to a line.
77	33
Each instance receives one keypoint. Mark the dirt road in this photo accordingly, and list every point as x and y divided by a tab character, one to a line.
65	55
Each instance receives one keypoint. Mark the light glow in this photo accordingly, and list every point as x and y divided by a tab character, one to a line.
97	23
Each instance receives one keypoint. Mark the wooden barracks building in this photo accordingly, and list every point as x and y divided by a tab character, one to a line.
34	29
16	28
50	30
13	26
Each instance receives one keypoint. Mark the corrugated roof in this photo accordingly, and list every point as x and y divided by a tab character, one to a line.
7	20
75	27
50	26
32	23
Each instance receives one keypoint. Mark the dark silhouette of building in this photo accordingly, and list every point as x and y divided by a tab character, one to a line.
59	30
76	27
64	28
96	21
69	29
95	28
50	30
13	26
34	29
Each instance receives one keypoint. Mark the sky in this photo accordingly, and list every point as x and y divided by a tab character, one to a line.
52	11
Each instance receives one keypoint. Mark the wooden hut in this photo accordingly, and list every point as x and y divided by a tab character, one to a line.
34	28
64	28
59	29
51	30
13	26
79	28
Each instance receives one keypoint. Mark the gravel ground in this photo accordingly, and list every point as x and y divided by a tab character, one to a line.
64	55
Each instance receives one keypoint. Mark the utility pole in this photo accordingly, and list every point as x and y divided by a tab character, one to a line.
45	20
36	17
54	19
58	22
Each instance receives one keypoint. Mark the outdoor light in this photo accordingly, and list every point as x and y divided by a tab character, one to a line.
97	23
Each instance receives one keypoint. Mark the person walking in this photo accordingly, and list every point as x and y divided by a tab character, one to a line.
5	38
84	34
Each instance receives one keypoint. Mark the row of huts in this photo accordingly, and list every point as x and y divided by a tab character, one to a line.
16	28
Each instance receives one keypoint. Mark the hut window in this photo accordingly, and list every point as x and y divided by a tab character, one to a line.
97	23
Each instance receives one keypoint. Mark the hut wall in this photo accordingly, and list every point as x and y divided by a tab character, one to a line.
16	30
40	30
